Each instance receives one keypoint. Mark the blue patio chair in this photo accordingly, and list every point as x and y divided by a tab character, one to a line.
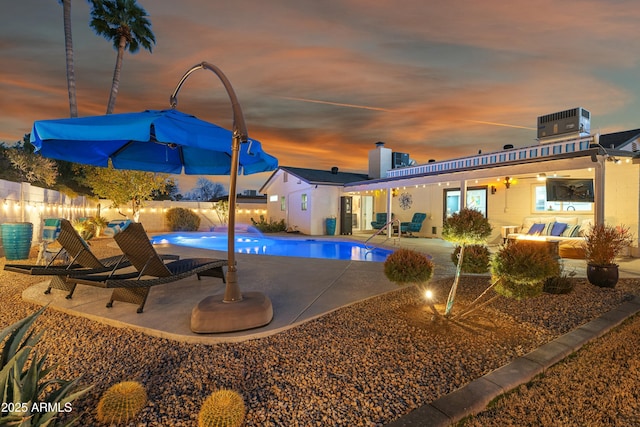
381	220
414	225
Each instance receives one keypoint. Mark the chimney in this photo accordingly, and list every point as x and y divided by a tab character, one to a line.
334	170
379	161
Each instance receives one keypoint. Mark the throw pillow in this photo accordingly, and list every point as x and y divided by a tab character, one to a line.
536	229
571	231
558	228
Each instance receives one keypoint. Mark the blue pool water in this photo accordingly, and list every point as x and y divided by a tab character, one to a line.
252	243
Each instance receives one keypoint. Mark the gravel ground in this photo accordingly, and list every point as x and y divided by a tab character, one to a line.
364	365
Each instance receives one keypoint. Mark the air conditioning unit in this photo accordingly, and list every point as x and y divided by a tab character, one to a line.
399	160
575	122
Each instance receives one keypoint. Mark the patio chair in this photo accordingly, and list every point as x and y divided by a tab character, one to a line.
81	261
381	220
150	269
50	233
414	225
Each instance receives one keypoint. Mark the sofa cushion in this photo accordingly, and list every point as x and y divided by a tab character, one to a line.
558	228
536	229
571	231
547	229
585	227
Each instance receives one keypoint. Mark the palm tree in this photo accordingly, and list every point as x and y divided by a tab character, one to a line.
68	47
125	24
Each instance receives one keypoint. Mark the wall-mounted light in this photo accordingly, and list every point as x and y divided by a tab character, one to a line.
493	189
394	192
542	177
507	181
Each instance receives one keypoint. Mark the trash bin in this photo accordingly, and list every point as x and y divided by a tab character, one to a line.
331	226
16	239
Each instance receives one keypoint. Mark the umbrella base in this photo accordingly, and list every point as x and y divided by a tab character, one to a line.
212	315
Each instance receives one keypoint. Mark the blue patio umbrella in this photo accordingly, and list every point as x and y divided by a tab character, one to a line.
170	141
166	141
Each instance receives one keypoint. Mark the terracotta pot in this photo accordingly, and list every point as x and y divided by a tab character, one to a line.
605	276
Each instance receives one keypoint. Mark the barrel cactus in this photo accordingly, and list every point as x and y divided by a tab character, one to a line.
223	408
121	402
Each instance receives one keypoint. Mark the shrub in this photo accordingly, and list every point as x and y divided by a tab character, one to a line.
558	285
408	266
476	258
121	402
22	377
269	227
604	243
467	227
85	228
181	219
521	268
223	408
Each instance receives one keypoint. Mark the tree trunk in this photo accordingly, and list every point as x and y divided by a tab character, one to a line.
454	287
115	84
68	46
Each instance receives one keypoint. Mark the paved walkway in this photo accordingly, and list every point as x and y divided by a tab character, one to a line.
302	289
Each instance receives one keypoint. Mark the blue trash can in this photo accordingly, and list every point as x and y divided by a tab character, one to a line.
330	224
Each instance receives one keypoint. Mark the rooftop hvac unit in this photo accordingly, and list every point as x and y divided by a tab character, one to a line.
399	160
575	122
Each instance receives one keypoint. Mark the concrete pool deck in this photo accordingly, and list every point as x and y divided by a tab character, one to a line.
300	289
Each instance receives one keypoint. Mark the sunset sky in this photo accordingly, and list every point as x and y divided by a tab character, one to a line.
321	81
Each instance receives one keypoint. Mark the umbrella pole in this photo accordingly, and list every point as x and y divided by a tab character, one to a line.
232	291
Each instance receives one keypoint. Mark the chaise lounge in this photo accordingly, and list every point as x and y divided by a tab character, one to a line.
133	287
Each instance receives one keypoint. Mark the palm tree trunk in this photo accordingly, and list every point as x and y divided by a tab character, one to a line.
115	84
68	46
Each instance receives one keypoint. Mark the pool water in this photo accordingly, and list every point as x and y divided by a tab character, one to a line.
253	243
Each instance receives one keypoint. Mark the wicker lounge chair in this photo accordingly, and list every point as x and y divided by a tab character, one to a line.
150	269
82	261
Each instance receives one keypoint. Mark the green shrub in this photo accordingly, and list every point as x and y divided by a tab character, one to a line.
22	378
558	285
521	268
476	258
223	408
181	219
269	227
467	227
122	402
408	266
85	228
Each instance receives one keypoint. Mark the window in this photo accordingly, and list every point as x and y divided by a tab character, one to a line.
274	198
303	205
285	177
540	203
283	203
476	199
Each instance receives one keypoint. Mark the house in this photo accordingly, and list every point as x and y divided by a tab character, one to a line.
508	186
304	198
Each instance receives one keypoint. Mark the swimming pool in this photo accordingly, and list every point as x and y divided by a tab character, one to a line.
251	243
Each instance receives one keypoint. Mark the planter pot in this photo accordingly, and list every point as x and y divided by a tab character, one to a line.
331	226
16	239
605	276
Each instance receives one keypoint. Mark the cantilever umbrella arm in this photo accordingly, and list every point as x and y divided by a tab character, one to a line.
232	291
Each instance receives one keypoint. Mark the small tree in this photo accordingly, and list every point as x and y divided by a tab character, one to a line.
467	227
31	167
222	210
124	187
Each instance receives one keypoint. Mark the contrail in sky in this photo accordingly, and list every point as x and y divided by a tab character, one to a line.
339	104
500	124
364	107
